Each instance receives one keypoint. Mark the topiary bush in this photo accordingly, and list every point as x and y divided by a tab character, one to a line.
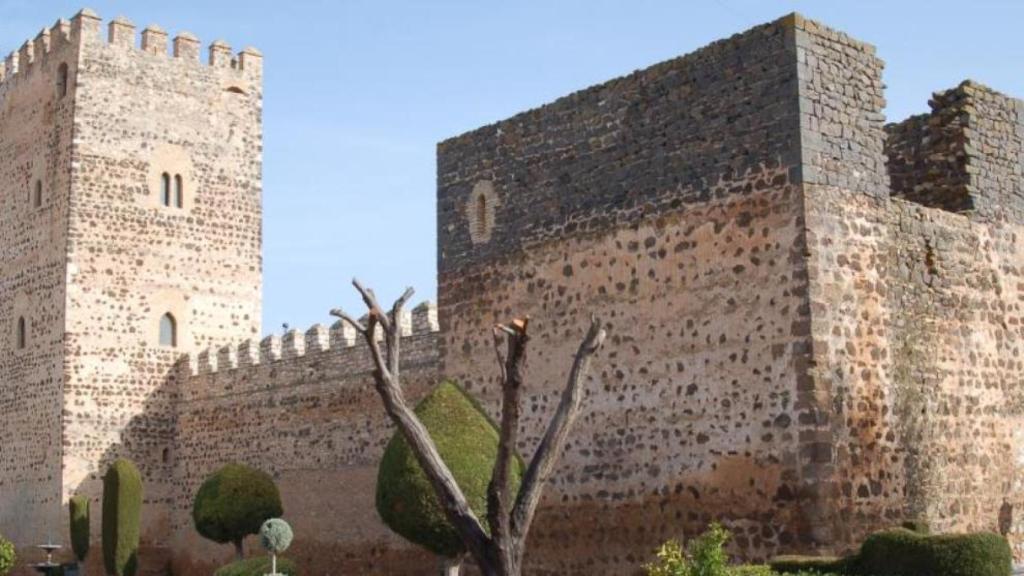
235	502
7	556
122	506
276	535
467	440
902	552
78	512
258	566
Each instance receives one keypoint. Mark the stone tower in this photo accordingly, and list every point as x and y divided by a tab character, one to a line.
130	233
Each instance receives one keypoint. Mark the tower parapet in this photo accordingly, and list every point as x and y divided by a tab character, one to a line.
86	27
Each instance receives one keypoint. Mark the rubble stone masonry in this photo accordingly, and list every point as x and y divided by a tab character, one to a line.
814	317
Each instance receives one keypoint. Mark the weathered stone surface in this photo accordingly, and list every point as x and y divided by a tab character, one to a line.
815	319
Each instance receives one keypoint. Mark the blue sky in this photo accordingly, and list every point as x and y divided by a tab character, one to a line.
358	93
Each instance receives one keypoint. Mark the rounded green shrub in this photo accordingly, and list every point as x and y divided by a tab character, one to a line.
122	507
78	512
257	566
233	503
902	552
467	440
7	556
276	535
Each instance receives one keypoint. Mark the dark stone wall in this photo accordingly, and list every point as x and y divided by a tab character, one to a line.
648	143
841	98
967	155
668	203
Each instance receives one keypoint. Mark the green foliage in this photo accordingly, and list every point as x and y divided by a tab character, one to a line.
793	564
704	556
275	535
79	525
671	561
901	552
7	556
122	506
707	552
234	502
467	441
257	566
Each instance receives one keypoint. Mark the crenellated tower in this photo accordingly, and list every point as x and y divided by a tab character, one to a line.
130	234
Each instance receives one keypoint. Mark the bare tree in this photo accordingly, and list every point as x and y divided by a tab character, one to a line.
498	549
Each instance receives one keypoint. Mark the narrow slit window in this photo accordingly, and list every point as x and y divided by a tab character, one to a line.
481	215
37	194
168	331
165	189
62	80
21	335
179	191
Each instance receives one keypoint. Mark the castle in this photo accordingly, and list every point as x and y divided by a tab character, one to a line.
814	318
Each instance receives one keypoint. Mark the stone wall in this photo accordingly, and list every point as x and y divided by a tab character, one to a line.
668	203
141	113
914	304
92	258
842	150
814	318
304	409
35	151
966	155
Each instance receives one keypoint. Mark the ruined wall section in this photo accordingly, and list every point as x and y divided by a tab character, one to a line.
667	202
140	113
927	156
966	155
303	408
995	149
914	308
35	162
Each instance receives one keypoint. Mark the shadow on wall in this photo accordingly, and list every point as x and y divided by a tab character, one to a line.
310	418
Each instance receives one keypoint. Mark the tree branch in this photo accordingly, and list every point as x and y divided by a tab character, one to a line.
543	462
450	496
498	495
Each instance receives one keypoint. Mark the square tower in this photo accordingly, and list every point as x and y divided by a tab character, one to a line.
130	234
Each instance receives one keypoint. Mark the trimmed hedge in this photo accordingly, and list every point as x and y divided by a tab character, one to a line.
467	440
257	566
122	507
902	552
793	564
78	514
235	502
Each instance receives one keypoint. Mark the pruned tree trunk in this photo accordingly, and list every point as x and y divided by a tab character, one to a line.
499	550
239	550
451	566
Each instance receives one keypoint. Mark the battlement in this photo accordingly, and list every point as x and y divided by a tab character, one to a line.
36	50
966	155
86	28
237	363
